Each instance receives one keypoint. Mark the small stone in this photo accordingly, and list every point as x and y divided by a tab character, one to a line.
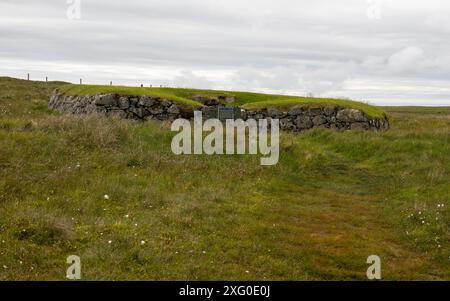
173	109
304	122
318	120
146	101
106	100
124	103
139	112
156	110
286	124
314	111
350	115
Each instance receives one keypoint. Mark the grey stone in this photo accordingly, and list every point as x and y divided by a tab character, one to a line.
100	110
123	102
319	120
286	124
315	111
350	115
146	101
139	112
304	122
131	116
156	110
90	109
274	113
106	100
173	109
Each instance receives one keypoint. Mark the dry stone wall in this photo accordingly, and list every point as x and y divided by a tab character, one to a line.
333	117
122	106
295	119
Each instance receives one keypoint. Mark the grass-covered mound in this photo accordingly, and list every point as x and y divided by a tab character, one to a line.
333	199
247	100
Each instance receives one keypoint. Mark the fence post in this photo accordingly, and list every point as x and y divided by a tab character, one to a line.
46	79
28	76
81	81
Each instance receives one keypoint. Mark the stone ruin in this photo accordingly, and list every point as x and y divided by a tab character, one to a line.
295	119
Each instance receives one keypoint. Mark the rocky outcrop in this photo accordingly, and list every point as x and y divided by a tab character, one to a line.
122	106
300	118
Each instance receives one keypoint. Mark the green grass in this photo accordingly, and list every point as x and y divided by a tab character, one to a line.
246	99
333	199
156	92
285	104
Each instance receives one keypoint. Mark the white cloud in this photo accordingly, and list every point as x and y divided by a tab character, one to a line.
287	46
407	59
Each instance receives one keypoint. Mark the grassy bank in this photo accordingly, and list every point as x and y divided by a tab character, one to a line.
333	199
246	99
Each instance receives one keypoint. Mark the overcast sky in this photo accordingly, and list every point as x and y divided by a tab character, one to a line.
385	52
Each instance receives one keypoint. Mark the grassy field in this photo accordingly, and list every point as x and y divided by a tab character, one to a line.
247	100
333	199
